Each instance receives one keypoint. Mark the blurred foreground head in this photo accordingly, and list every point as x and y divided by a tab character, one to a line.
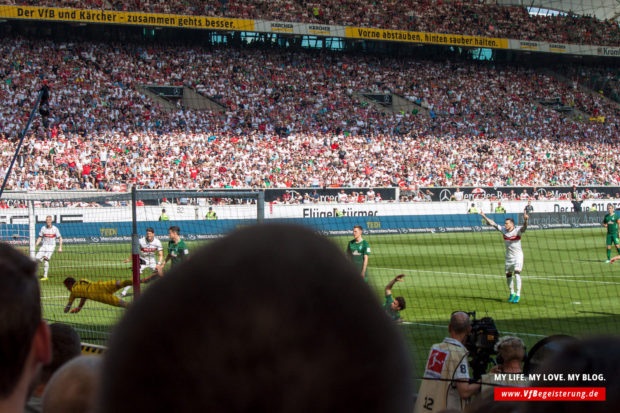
596	361
73	388
271	318
24	336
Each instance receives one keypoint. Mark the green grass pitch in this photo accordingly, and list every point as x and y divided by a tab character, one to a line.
567	287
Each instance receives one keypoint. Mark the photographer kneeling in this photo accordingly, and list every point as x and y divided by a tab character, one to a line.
511	352
446	381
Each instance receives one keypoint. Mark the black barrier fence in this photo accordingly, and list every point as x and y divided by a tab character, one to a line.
318	194
328	194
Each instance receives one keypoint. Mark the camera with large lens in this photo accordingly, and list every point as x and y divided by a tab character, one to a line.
481	344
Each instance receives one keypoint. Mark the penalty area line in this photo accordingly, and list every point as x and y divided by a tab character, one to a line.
525	277
101	264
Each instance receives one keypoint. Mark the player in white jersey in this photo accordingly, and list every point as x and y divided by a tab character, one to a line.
149	246
47	238
514	252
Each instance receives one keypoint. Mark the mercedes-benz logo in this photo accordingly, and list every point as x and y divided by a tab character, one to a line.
445	195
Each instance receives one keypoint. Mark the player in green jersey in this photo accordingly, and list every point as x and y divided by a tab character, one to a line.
610	222
393	306
358	250
177	250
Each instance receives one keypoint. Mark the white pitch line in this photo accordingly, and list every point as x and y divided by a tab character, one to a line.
54	297
588	276
120	265
526	277
503	332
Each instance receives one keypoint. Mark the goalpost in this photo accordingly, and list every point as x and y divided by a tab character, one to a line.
199	215
100	239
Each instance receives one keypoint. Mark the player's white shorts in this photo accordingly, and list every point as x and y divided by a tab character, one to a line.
144	264
514	263
45	253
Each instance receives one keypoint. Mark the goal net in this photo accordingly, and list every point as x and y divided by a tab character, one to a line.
87	238
454	260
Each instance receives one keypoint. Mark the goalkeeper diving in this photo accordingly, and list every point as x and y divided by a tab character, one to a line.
100	291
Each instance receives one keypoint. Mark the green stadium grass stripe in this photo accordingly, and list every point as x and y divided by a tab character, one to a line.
525	276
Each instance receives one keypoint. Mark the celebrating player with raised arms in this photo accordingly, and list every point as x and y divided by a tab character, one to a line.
149	245
47	239
514	252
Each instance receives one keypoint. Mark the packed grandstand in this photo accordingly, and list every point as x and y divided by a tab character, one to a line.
410	143
292	117
470	17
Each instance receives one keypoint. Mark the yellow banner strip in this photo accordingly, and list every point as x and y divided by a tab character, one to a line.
119	17
419	37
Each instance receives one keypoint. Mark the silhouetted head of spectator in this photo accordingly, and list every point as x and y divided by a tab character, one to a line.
592	360
73	388
24	337
271	318
65	346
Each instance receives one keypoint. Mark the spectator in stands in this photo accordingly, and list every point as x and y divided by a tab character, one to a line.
521	141
65	346
458	194
24	336
73	388
468	17
268	339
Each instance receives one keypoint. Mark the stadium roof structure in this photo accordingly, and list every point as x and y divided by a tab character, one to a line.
602	9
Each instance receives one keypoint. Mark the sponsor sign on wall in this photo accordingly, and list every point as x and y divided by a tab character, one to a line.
230	24
553	192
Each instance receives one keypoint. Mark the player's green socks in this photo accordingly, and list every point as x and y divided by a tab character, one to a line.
608	254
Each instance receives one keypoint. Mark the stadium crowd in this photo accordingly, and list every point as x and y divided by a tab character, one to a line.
468	17
603	79
293	119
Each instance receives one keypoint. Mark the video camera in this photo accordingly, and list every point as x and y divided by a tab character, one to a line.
481	344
